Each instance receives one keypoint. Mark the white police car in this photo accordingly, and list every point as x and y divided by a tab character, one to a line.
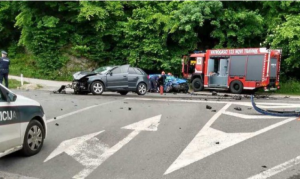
22	124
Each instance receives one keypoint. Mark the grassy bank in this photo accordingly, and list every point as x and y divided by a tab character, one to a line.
14	84
26	65
290	87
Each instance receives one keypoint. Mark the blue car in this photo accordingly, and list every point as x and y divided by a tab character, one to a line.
173	84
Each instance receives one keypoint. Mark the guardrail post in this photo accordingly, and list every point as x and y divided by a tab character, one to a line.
21	79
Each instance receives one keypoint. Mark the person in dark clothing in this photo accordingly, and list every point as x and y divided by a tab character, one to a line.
163	74
153	82
4	68
160	83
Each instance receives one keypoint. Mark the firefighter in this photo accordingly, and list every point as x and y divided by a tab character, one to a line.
4	68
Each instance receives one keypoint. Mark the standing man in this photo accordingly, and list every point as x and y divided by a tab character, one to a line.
161	82
4	68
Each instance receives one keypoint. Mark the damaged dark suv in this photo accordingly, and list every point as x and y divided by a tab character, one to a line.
121	79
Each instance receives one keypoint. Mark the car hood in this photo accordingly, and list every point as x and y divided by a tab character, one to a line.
179	80
81	74
22	100
176	80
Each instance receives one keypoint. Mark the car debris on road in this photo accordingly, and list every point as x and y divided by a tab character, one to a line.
208	107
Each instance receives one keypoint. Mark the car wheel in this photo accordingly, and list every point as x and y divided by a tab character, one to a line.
236	87
123	92
197	84
97	88
141	89
33	138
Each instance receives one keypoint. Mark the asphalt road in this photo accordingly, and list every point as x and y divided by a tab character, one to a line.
153	136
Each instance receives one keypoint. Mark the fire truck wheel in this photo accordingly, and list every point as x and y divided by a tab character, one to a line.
197	84
236	87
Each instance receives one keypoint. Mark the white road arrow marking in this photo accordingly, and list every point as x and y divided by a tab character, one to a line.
69	146
149	124
204	143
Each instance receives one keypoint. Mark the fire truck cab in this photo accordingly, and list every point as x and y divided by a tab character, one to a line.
233	69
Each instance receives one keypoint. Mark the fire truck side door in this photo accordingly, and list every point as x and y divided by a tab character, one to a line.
273	68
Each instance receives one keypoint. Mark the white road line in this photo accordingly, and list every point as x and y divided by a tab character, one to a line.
215	117
78	111
6	175
277	169
245	116
176	100
265	105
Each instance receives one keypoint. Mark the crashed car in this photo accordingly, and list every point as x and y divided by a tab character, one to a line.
173	84
121	79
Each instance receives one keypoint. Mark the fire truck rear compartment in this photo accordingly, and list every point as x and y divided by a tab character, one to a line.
219	68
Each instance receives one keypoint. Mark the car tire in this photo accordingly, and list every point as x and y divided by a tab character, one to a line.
141	89
197	84
236	87
97	88
123	92
33	138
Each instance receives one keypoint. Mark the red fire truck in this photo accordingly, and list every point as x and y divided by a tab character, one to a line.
233	69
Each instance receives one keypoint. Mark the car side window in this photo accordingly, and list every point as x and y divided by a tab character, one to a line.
138	71
116	70
124	69
143	73
132	71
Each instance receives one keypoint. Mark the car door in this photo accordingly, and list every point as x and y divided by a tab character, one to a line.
10	126
117	79
132	78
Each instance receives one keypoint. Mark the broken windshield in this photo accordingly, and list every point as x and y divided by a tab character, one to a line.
103	69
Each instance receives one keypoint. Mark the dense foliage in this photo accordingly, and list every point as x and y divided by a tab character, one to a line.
147	34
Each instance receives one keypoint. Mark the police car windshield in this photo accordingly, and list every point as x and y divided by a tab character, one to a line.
103	69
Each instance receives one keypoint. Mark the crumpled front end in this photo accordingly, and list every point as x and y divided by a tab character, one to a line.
176	85
80	85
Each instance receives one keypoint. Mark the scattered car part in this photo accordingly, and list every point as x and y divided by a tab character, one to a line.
238	108
208	107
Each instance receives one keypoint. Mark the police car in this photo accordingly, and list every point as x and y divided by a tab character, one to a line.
22	124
